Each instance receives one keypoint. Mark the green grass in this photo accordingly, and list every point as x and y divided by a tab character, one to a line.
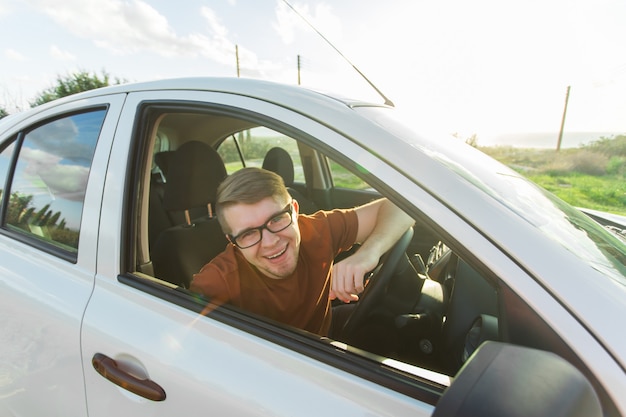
592	176
605	193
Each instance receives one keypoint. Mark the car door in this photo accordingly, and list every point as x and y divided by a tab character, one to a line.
151	349
52	168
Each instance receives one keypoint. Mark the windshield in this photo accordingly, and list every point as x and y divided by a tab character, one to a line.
559	221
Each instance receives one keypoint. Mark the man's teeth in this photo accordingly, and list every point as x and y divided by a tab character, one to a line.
277	255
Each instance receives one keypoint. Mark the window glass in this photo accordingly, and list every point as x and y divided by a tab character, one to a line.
254	145
50	179
343	178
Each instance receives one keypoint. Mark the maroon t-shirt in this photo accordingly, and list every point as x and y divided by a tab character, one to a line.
300	300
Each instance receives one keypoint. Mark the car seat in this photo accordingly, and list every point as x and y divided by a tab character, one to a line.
279	161
195	171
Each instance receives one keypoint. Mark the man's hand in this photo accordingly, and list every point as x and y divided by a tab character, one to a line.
347	280
381	224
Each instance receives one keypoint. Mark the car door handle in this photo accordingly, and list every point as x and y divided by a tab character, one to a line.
109	369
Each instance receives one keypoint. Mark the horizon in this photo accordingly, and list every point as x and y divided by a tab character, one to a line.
546	139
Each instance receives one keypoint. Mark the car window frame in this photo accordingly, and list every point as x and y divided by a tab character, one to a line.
138	276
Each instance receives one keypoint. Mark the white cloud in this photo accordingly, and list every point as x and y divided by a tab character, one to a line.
13	55
322	18
287	22
62	180
4	7
221	49
129	27
60	55
213	21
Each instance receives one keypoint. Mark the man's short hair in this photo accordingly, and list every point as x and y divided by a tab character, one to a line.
249	186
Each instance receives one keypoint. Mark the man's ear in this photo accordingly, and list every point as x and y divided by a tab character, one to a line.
296	207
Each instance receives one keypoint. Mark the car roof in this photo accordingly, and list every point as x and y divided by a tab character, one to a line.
290	96
265	90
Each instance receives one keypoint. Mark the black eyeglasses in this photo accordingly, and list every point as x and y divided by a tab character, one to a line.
278	222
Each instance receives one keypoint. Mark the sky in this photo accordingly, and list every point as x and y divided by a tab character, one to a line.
485	67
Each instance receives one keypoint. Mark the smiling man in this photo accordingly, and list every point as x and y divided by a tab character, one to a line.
280	263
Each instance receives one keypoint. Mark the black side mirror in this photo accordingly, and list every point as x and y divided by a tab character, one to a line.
514	381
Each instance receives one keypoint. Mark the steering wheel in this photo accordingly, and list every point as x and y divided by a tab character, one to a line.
378	285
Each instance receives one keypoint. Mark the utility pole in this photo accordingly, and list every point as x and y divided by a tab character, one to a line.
558	144
237	59
299	67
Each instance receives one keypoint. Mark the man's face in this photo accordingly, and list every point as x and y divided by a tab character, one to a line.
276	255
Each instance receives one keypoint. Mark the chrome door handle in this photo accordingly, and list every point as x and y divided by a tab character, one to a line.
146	388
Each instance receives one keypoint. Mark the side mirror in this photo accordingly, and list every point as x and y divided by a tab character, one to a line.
508	380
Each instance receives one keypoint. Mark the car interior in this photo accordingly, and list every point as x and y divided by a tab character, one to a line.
426	305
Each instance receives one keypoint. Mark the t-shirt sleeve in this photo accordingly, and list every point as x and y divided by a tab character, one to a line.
344	225
337	228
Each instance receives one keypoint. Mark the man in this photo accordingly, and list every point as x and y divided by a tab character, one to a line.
280	263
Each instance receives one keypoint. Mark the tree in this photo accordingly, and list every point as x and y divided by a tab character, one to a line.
54	219
18	203
3	113
72	84
40	214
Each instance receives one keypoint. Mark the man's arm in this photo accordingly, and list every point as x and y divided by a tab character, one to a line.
381	224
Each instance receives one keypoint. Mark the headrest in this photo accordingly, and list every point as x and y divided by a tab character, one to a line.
278	160
195	171
162	160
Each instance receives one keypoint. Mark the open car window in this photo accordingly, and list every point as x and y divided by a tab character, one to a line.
248	148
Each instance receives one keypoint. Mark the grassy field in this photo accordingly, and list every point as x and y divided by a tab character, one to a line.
592	176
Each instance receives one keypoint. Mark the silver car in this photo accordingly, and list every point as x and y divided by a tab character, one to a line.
501	300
